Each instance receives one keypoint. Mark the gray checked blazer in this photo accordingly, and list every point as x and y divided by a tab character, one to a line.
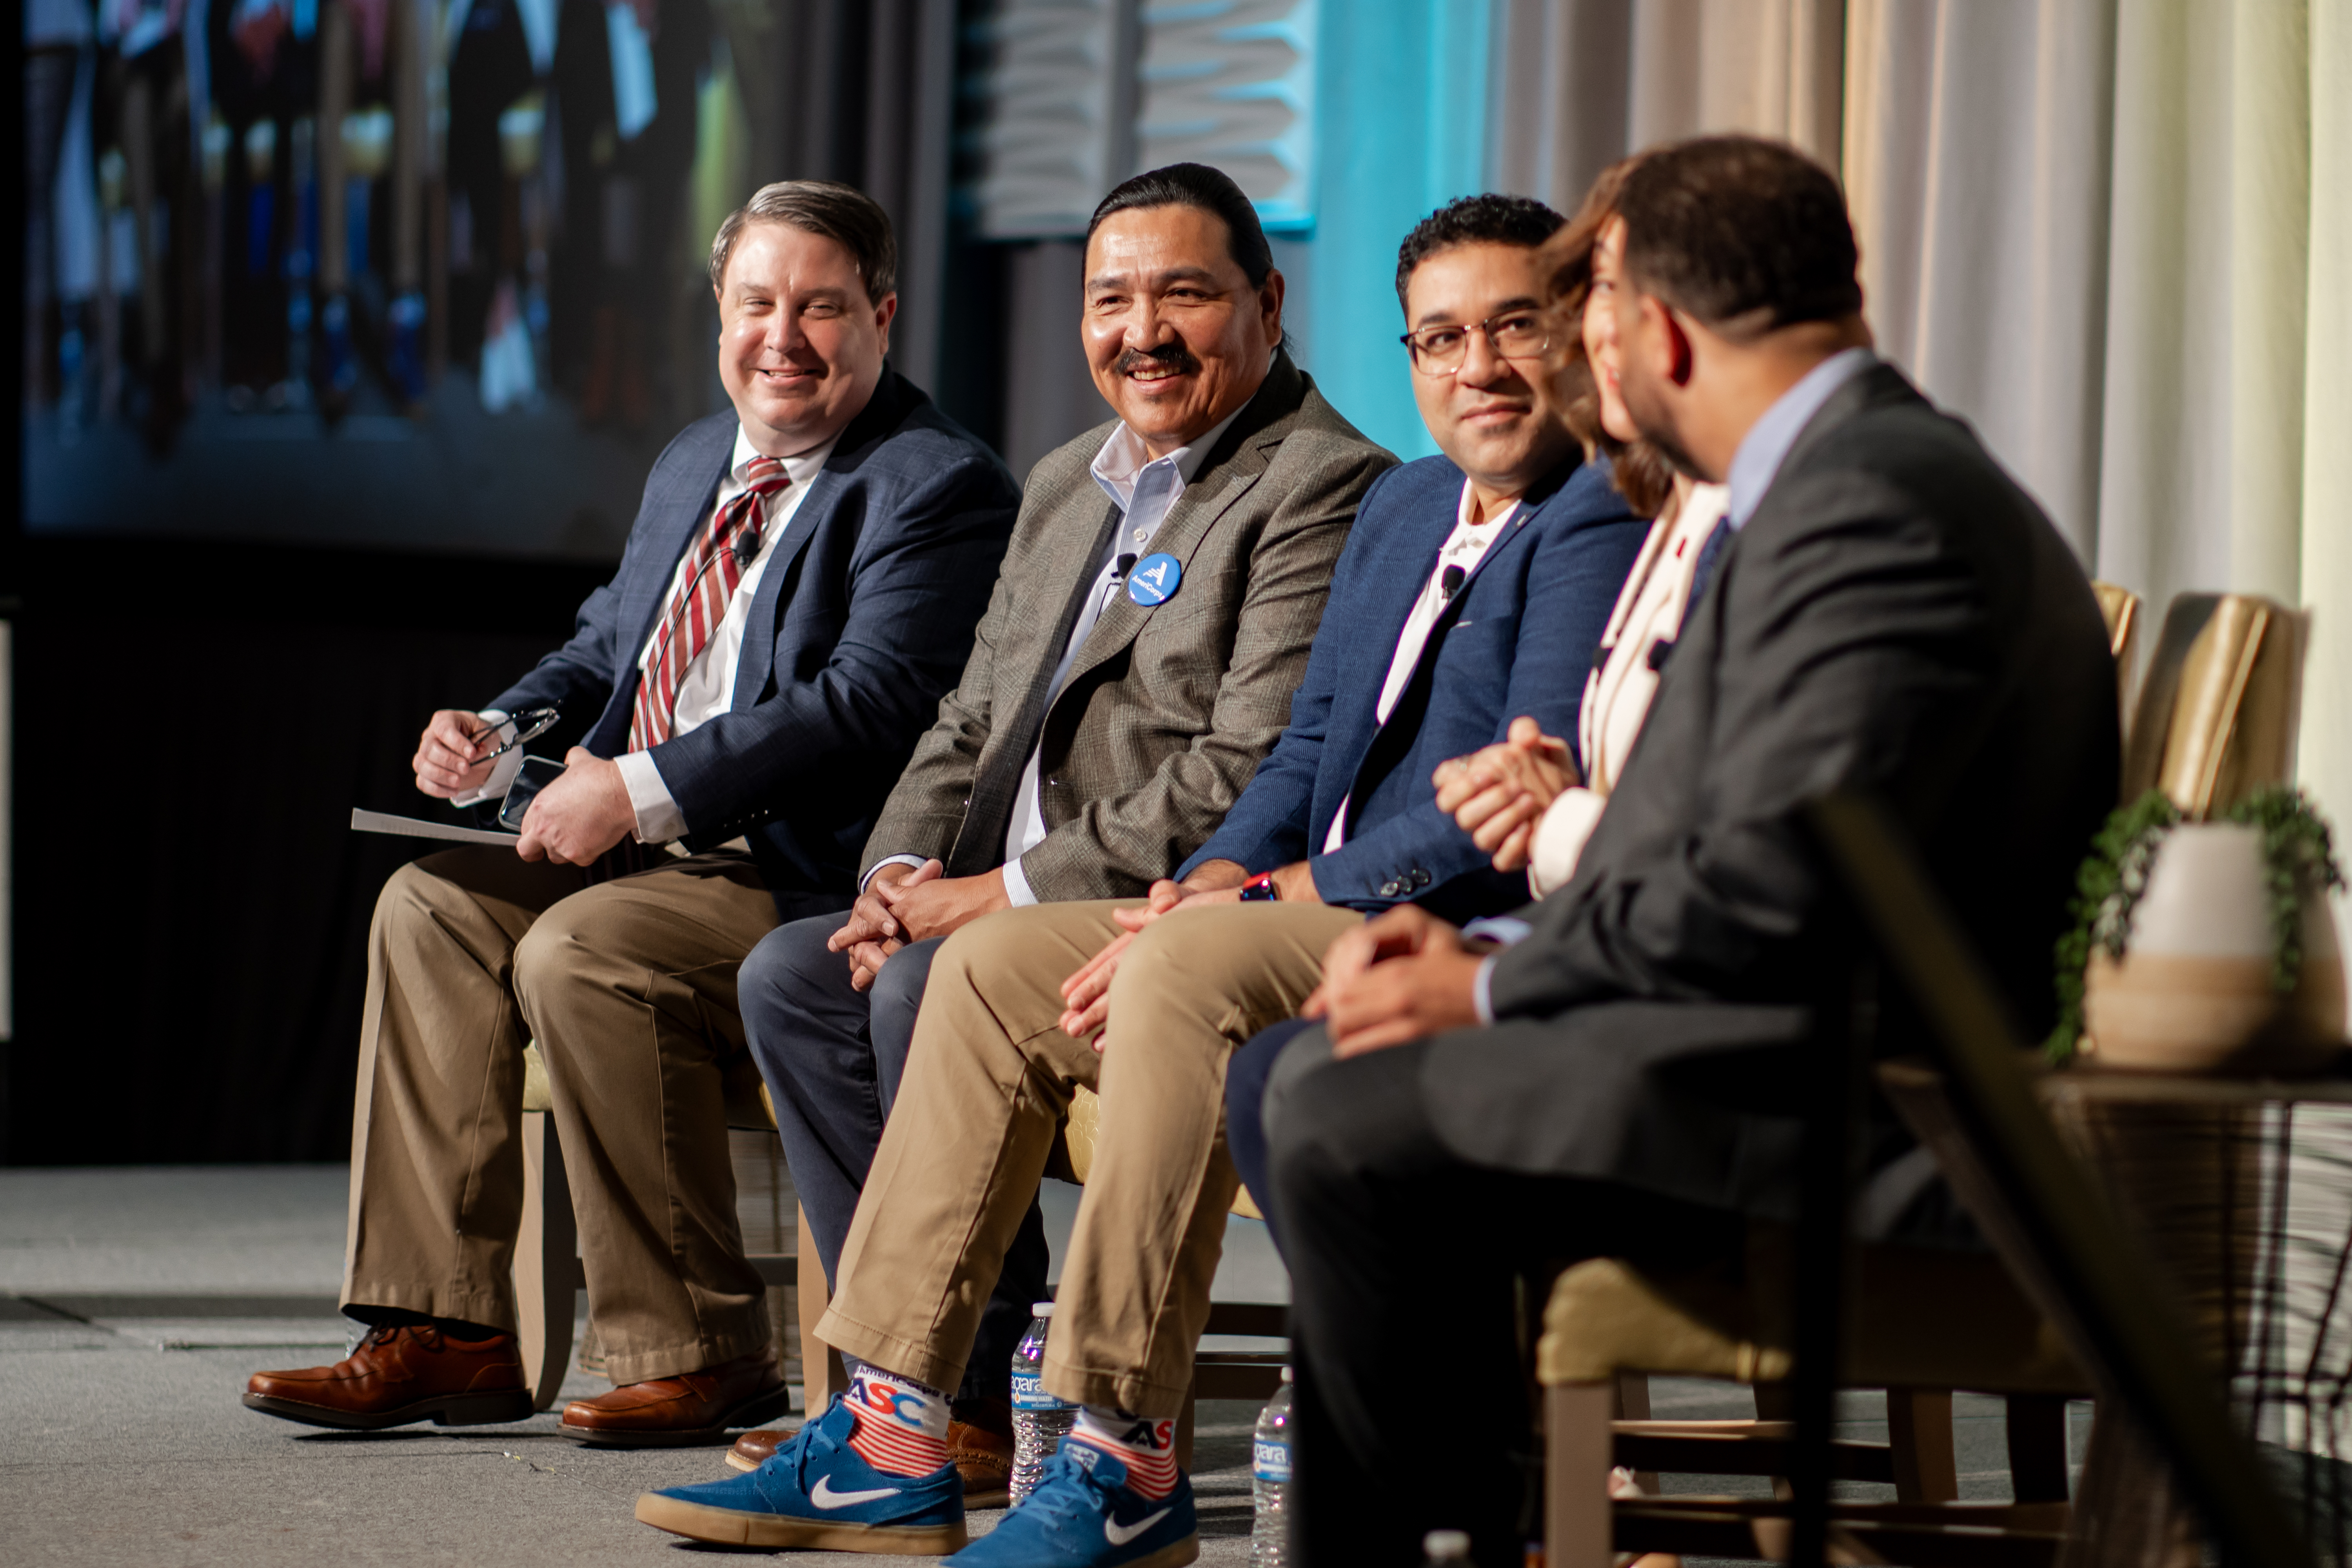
1167	710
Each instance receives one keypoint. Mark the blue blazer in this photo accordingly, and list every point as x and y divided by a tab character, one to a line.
1516	638
863	621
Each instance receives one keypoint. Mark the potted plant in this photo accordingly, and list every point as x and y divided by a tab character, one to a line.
2205	947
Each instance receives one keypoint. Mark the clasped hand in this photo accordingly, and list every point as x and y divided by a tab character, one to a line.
1402	977
1085	995
910	903
1499	794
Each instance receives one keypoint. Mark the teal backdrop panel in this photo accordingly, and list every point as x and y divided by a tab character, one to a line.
1401	98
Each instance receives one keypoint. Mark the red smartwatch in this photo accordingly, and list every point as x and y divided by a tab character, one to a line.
1260	888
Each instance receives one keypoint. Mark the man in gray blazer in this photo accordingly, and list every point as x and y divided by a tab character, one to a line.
1885	611
1137	660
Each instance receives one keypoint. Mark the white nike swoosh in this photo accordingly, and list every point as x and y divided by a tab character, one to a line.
1119	1534
823	1496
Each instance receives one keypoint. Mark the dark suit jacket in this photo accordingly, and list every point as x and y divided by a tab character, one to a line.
1897	617
863	615
1167	710
1516	638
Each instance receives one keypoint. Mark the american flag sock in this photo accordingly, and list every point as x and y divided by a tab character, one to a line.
1147	1447
902	1426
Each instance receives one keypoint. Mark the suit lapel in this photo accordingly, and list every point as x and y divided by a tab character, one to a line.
752	667
1255	437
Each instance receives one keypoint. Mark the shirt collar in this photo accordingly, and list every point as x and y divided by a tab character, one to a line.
1462	509
1122	460
1765	445
800	468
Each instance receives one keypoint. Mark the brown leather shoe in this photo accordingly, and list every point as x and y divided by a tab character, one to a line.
753	1448
398	1376
678	1412
984	1459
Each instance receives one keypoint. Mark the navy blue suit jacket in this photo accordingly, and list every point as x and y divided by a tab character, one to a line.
863	619
1516	638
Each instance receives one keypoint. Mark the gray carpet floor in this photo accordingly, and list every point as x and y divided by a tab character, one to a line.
133	1302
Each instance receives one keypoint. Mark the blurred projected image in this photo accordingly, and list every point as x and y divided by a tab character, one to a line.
422	273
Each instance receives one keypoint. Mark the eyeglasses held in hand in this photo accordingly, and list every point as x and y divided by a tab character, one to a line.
1439	350
528	726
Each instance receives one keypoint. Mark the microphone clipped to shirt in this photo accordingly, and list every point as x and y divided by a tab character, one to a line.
1449	583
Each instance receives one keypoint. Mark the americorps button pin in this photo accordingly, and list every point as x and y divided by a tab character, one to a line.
1154	580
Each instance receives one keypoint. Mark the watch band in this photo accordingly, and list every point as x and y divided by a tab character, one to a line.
1260	888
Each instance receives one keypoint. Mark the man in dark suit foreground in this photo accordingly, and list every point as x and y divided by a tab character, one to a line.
800	588
1887	612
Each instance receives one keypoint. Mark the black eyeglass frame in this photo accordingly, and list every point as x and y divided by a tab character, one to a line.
528	726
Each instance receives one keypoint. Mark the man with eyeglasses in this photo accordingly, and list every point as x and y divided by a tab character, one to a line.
801	587
1475	588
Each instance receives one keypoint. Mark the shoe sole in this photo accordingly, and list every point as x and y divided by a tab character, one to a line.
737	1461
725	1527
756	1411
1000	1497
462	1410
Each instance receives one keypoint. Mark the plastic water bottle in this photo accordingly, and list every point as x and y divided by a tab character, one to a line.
1040	1421
1270	1480
1440	1547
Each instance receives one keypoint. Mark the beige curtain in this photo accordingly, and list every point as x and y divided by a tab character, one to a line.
1579	83
1976	168
2325	536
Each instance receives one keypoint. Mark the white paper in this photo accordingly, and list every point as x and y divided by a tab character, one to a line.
418	828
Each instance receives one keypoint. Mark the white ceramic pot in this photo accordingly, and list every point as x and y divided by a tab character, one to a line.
2192	992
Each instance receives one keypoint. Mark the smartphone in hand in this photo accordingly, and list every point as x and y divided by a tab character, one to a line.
536	774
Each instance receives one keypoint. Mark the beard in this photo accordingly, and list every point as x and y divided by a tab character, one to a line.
1652	417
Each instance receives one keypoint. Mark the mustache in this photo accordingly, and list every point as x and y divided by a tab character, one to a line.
1173	356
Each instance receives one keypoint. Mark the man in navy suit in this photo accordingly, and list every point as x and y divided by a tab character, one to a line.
800	588
1474	587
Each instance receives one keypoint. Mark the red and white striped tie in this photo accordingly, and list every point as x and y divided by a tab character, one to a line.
699	602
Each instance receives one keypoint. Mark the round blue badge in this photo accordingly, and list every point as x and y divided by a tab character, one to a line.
1154	580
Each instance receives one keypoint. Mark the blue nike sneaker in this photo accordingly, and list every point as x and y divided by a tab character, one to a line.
1083	1516
815	1491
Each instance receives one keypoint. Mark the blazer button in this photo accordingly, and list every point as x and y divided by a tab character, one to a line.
1420	877
1390	888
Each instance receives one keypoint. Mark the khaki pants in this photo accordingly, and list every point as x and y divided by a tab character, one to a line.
629	986
989	1077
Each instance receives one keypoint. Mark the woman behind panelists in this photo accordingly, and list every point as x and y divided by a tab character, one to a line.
1500	794
1522	800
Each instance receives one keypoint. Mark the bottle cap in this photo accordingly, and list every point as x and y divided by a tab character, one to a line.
1041	1309
1446	1546
1286	1375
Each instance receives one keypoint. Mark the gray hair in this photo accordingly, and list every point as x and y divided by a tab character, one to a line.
843	214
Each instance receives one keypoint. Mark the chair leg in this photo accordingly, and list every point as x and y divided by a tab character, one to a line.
1578	1455
1634	1405
2037	1448
821	1374
1919	1430
547	1272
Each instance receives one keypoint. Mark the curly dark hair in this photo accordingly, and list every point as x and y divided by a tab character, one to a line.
1640	471
1487	219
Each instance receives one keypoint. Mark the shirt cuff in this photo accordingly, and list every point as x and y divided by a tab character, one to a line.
1017	892
502	772
1482	988
658	819
913	862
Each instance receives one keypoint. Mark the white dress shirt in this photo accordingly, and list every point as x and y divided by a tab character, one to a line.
707	689
1466	547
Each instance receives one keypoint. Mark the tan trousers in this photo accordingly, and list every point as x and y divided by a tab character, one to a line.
629	986
989	1077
